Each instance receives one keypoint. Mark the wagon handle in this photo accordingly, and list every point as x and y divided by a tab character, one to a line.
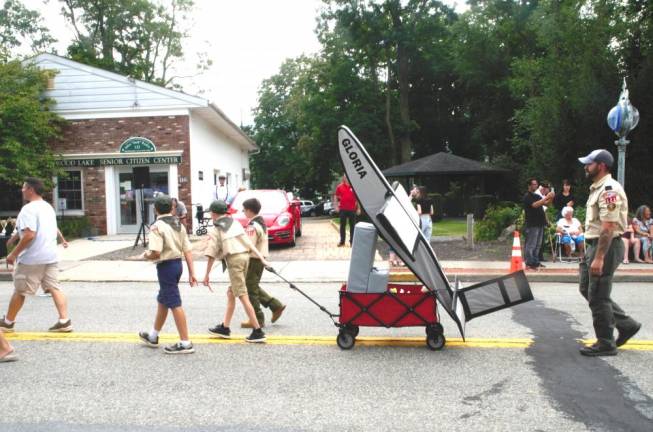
293	286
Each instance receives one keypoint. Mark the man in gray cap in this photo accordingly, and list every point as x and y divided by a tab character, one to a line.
606	220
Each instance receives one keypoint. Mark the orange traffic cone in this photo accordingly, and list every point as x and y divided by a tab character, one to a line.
516	262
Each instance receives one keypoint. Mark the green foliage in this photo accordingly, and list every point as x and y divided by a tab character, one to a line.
18	26
497	218
523	85
26	124
138	38
75	227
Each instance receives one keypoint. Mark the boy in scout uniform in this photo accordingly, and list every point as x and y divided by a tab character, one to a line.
168	242
229	243
257	232
606	220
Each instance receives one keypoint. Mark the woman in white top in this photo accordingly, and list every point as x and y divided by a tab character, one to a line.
571	230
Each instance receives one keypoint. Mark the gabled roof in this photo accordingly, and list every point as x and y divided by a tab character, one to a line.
82	89
439	164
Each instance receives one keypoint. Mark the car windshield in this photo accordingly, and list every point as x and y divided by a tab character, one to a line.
271	201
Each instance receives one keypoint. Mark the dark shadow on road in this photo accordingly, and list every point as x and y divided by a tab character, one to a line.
588	390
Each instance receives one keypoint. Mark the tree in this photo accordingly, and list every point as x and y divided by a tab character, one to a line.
138	38
18	26
565	90
27	126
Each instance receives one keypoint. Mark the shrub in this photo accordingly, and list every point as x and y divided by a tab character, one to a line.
75	227
497	218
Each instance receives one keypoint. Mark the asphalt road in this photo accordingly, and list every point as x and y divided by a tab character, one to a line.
113	383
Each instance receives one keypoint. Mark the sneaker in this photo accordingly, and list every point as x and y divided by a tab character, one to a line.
7	328
221	331
277	313
178	348
625	335
257	336
341	244
597	350
9	357
145	337
66	327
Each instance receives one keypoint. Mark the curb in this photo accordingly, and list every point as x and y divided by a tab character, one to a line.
466	275
399	277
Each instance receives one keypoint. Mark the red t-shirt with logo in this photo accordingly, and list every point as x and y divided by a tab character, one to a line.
346	197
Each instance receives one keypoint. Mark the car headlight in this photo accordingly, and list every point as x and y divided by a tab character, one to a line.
283	219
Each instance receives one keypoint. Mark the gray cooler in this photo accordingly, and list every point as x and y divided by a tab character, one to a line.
363	277
378	281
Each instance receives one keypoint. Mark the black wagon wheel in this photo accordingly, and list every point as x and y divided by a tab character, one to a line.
352	329
435	341
345	340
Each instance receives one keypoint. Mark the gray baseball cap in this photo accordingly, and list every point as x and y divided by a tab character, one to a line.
218	207
598	156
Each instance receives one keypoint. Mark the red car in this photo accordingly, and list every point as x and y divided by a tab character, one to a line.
282	216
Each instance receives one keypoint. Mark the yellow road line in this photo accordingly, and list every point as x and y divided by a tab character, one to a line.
271	340
640	345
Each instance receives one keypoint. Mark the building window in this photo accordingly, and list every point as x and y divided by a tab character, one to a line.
69	186
201	175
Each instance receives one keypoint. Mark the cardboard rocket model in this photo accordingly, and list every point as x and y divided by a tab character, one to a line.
397	222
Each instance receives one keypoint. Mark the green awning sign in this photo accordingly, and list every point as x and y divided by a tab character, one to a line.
137	145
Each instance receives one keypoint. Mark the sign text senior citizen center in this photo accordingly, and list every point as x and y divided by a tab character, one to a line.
119	161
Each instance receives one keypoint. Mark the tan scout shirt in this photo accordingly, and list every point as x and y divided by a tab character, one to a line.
170	243
259	238
607	202
221	244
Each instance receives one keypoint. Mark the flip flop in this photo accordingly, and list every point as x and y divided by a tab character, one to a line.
9	357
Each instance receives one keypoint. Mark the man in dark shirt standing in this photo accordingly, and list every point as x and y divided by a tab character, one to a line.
534	223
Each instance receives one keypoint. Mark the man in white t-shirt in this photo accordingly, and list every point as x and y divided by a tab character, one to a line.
35	257
571	230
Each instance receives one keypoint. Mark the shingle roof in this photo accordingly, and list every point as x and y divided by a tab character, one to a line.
441	163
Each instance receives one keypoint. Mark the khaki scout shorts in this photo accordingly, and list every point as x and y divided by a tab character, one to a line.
28	278
237	267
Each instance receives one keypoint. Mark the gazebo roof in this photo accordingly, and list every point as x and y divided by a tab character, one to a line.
441	164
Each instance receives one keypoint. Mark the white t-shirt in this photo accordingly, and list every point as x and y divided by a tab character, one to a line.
569	227
38	216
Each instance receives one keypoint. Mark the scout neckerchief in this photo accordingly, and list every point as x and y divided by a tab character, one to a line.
259	220
223	224
173	221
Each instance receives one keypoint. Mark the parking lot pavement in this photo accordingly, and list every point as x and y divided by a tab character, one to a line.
113	383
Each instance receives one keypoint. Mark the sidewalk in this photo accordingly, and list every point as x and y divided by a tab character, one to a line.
316	258
332	271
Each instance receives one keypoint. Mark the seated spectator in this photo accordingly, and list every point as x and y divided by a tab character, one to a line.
630	240
570	230
642	224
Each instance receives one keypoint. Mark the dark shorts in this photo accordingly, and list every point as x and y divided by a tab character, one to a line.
169	273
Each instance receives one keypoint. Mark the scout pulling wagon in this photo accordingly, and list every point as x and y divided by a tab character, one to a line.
369	300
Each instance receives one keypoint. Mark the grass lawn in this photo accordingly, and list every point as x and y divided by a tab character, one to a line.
450	227
443	228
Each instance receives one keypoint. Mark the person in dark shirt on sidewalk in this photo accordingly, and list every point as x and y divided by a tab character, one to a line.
535	223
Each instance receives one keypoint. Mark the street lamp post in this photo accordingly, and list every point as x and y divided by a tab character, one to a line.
622	119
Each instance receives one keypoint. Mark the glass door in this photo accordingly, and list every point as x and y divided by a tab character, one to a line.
136	204
129	208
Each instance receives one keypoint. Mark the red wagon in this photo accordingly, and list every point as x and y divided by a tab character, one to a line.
402	305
